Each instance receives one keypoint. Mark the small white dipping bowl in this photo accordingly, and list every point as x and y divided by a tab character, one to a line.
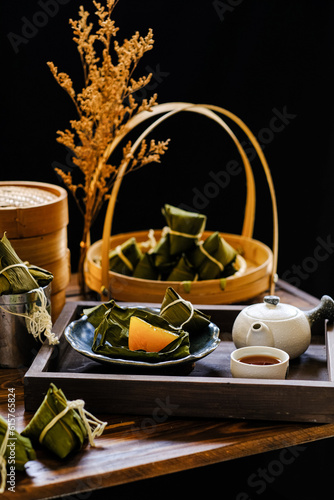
246	370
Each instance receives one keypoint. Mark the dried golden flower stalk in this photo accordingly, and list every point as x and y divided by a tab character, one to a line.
104	106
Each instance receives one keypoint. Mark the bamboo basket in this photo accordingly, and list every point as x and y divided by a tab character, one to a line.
34	216
258	272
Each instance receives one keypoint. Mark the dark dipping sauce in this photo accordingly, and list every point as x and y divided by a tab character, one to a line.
260	359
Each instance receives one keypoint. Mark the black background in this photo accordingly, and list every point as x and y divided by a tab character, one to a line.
251	57
254	58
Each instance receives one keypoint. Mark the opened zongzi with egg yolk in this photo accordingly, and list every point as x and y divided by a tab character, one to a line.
111	333
146	337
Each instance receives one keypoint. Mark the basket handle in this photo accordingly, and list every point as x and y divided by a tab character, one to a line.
267	172
210	111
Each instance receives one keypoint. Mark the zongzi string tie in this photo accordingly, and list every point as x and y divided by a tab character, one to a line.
93	425
215	261
39	319
3	470
189	304
150	243
19	264
123	257
178	233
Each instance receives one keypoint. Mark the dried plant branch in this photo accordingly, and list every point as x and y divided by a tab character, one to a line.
104	107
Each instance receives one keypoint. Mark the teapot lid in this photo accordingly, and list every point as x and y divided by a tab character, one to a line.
271	309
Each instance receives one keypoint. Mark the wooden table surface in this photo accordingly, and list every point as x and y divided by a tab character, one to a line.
137	447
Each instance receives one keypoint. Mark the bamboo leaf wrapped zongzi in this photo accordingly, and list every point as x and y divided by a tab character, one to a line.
42	276
161	256
22	445
15	275
211	256
179	255
145	268
185	228
181	313
183	271
161	252
124	258
61	425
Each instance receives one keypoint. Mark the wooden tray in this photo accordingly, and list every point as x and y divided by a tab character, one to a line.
207	391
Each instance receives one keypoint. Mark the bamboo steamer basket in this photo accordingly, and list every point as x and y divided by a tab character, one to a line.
34	216
258	272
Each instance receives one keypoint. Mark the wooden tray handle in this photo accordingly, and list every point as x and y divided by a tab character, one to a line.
210	111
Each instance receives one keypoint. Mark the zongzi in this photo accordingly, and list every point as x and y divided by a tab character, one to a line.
22	445
61	425
185	228
181	313
162	259
211	256
145	268
124	258
179	255
15	275
183	271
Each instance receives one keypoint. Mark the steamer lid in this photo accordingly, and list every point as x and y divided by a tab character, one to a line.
23	197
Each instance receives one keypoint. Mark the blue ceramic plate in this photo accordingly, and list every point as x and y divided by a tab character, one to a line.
80	335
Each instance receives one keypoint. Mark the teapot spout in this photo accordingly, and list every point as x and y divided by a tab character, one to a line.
324	310
260	334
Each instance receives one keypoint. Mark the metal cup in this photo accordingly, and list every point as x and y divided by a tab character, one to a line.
17	346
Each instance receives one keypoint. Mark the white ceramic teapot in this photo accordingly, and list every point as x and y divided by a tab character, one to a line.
279	325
